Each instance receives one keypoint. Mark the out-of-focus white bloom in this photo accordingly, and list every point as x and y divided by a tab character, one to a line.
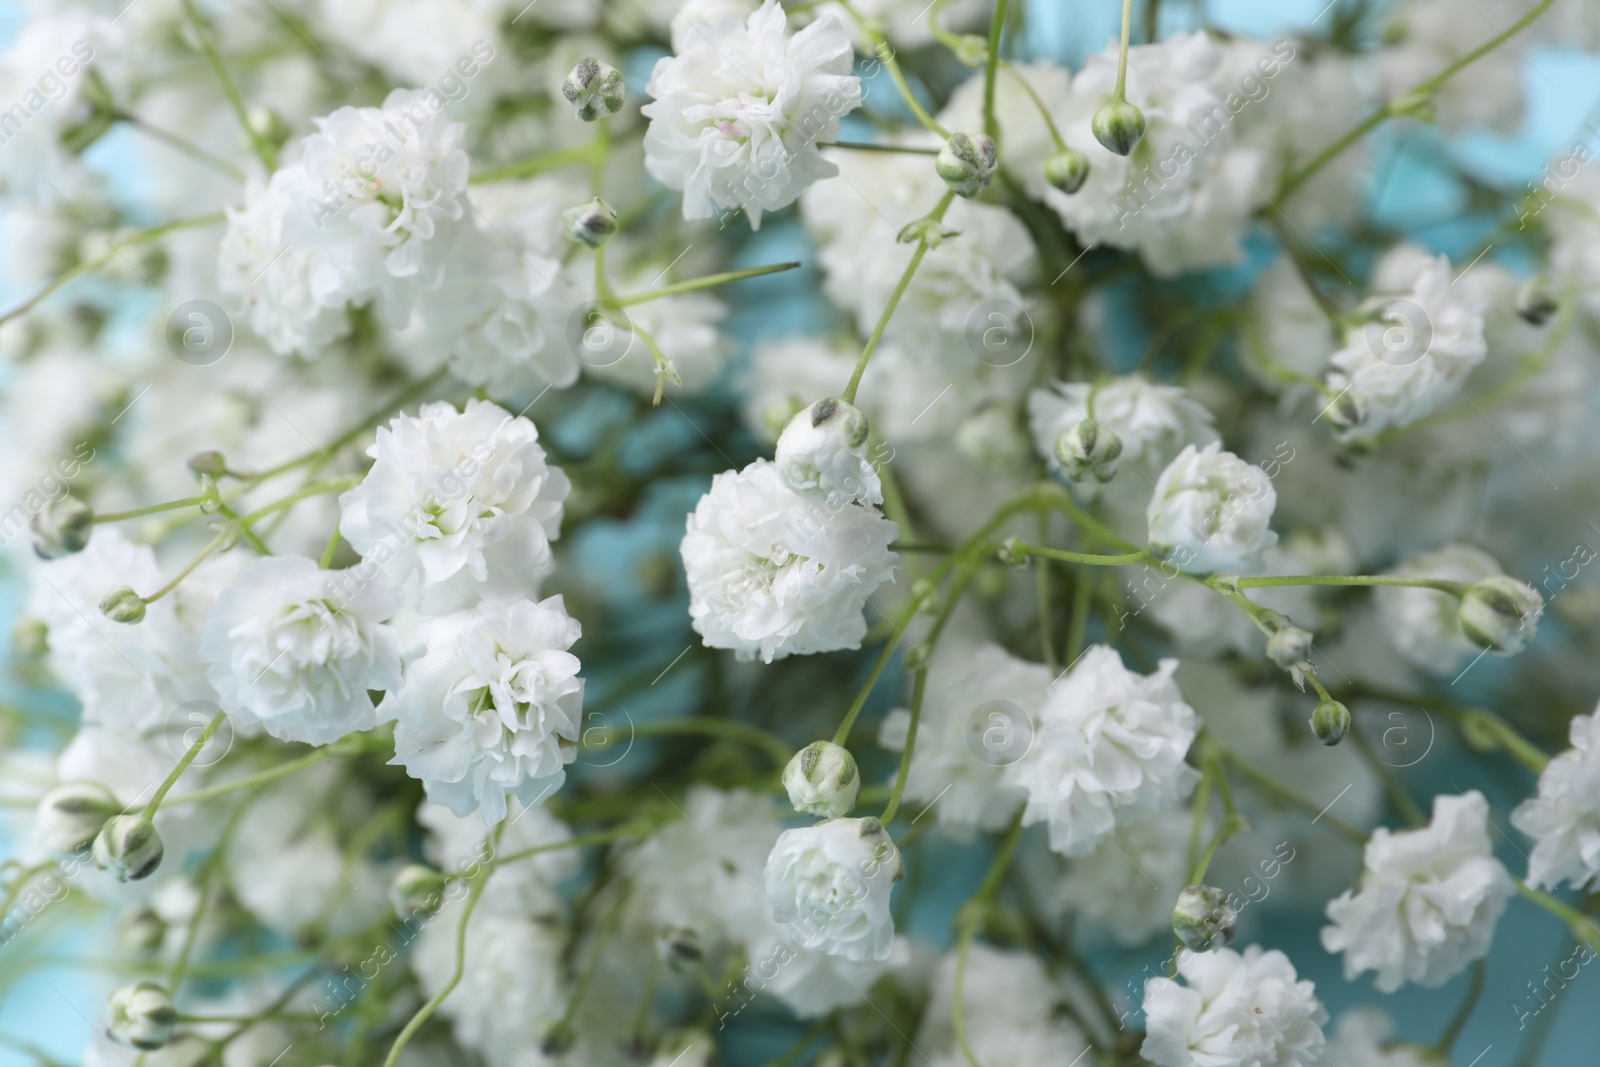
737	114
691	18
1423	339
1126	886
1564	819
42	77
453	45
455	843
1429	899
491	710
1364	1037
1109	744
463	498
774	573
1152	420
810	982
829	885
1210	511
1012	1007
1425	624
1183	199
1244	1010
979	715
1287	329
293	649
822	453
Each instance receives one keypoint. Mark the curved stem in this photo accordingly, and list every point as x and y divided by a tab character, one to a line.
527	168
997	28
204	554
153	509
1086	559
732	729
263	150
709	281
918	687
1274	580
154	806
1274	787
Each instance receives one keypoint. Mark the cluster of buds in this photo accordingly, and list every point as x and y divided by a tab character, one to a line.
967	162
594	89
1089	451
1203	919
592	223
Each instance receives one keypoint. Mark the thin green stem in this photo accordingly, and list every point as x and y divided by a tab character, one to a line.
732	729
1121	93
1582	926
1038	102
188	148
262	149
1086	559
205	553
934	218
604	837
919	686
154	806
528	168
271	774
842	734
997	27
1282	792
1274	580
708	282
244	529
331	548
153	509
868	146
1047	644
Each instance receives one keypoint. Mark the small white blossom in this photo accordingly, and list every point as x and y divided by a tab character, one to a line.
1126	886
463	498
1428	902
775	573
492	708
1364	1037
1564	819
1210	511
1152	420
1242	1010
1110	743
829	884
822	453
737	114
294	649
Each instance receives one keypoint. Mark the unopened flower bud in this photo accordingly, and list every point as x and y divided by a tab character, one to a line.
1289	646
30	636
268	126
1535	302
679	948
822	454
129	847
1119	126
594	89
71	815
1330	722
62	527
1202	918
417	889
1067	170
592	223
141	930
1499	613
1345	411
972	49
822	780
966	163
558	1040
141	1015
122	604
1011	554
1089	451
211	463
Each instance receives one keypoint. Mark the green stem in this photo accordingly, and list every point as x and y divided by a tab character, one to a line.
1087	559
997	26
604	837
1275	580
842	734
1047	644
708	282
154	806
1282	792
188	148
153	509
1582	926
205	553
732	729
262	149
971	916
527	168
244	529
867	146
271	774
937	216
1122	56
919	686
1480	970
1038	102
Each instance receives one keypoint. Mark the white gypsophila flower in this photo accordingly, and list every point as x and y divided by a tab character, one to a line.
1183	199
686	328
451	44
1152	420
978	717
128	677
773	573
691	18
1423	337
1109	744
513	990
1364	1037
810	982
1210	511
289	647
787	373
1428	902
42	79
1002	990
1126	886
736	115
1245	1009
491	709
822	453
1564	819
1286	329
456	843
464	499
1424	624
829	886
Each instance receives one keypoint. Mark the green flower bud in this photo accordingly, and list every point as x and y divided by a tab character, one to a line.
1499	613
211	463
822	780
269	126
30	636
417	889
1089	450
1330	722
679	948
1119	126
1202	918
966	163
591	223
71	815
129	847
1535	302
1010	554
140	930
1345	411
1067	170
594	89
62	527
141	1015
122	604
1289	647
